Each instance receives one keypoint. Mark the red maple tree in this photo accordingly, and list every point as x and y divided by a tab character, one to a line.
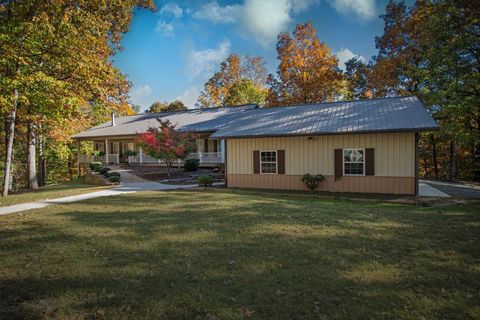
166	143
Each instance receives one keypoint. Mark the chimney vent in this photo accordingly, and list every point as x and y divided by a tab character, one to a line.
113	119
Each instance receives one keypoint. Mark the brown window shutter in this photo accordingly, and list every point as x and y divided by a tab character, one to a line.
370	162
215	145
338	163
205	145
256	161
281	161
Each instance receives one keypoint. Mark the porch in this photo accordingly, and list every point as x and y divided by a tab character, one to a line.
116	151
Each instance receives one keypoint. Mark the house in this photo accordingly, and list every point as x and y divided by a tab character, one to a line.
359	146
114	138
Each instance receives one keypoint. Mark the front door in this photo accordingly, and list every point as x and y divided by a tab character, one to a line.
200	145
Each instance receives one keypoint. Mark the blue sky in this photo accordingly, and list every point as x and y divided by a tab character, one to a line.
170	53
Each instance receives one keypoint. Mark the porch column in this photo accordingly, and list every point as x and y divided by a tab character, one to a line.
106	151
222	144
140	153
78	158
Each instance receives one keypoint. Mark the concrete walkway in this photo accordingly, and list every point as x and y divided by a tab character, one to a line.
426	190
130	184
456	189
115	191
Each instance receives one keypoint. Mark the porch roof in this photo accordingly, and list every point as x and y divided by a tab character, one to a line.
195	120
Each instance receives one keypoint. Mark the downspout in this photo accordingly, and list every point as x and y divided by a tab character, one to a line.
225	153
417	138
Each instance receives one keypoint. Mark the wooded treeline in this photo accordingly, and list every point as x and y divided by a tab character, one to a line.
56	78
431	50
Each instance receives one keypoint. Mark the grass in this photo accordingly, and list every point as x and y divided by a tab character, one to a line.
234	255
50	192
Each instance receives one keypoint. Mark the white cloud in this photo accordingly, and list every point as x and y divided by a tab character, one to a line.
204	62
215	13
266	19
189	97
344	55
261	20
172	8
141	95
363	9
164	28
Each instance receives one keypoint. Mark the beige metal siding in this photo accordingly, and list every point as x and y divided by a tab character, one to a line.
367	184
394	153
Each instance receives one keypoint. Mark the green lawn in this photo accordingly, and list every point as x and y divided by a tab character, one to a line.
50	192
236	255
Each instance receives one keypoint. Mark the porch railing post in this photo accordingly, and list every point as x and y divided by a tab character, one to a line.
140	154
222	143
200	157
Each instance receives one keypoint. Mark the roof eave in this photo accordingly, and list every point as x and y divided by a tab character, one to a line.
328	133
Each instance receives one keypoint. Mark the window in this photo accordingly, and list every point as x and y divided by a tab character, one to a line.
268	161
116	148
99	146
130	146
353	162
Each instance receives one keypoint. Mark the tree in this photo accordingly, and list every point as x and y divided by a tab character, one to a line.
308	71
166	143
56	64
159	106
136	108
245	91
357	75
177	105
232	70
432	50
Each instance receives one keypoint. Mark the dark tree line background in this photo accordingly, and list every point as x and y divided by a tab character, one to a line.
57	78
431	50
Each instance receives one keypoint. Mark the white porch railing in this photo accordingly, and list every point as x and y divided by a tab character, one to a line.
86	158
203	157
113	158
206	157
145	158
109	158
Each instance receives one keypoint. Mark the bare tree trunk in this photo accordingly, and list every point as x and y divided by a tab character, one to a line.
435	160
31	158
10	128
42	163
169	166
453	166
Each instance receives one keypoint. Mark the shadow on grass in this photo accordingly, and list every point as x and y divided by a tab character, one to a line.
177	255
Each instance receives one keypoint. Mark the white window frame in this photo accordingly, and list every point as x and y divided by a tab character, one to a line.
343	162
276	162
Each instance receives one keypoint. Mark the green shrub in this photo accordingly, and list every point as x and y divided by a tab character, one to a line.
312	181
205	181
104	170
95	165
191	164
112	174
130	153
114	178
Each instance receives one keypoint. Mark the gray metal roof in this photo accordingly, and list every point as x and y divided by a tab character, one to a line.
374	115
196	120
